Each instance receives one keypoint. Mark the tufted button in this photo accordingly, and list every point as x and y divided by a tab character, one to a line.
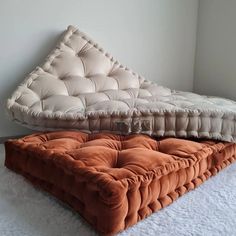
62	77
80	54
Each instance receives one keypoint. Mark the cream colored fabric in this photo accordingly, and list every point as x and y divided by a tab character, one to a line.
80	86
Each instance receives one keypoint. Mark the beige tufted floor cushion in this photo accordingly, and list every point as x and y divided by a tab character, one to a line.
80	86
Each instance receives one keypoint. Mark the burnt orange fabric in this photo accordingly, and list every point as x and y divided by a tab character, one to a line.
114	181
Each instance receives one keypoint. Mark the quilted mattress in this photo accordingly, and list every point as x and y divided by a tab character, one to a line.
114	181
80	86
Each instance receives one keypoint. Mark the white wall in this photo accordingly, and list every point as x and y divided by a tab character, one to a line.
155	38
215	71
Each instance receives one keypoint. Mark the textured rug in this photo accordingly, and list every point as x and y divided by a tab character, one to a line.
208	210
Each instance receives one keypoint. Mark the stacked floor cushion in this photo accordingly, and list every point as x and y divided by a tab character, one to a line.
81	86
114	181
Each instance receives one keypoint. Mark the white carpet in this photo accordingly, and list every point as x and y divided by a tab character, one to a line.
208	210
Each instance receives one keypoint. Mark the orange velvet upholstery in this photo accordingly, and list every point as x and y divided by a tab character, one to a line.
114	181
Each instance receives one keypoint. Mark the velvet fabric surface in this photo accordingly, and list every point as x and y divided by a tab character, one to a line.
114	181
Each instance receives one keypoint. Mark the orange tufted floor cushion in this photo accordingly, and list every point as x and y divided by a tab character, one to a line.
114	181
